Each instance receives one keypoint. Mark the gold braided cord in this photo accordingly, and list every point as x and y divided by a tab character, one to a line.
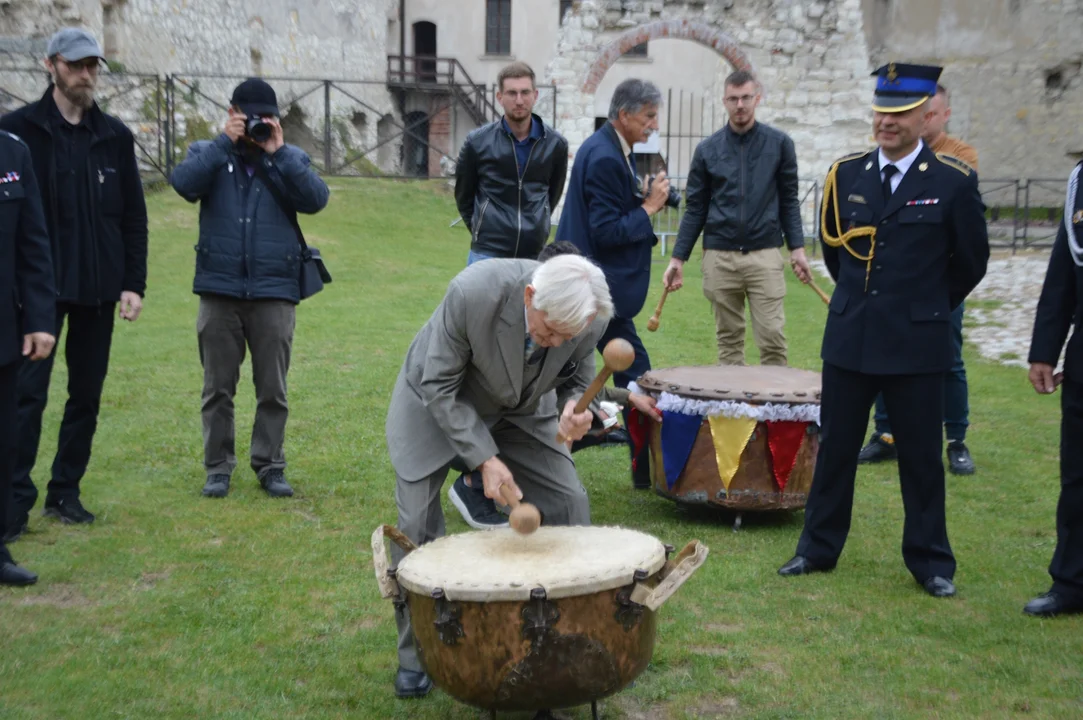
869	231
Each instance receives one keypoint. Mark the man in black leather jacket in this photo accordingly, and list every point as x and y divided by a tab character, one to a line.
510	174
742	195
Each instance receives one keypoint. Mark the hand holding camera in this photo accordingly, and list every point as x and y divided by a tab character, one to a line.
262	132
657	193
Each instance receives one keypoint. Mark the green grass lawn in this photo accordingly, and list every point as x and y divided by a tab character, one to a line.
175	606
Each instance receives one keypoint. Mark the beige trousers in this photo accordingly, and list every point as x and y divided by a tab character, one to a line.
729	277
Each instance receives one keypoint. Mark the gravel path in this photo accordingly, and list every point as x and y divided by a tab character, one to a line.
1000	312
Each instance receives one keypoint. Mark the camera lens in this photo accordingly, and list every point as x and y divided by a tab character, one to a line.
258	130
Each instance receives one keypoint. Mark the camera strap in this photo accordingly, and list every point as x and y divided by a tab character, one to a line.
286	205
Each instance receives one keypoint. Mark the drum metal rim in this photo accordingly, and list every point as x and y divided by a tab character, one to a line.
650	381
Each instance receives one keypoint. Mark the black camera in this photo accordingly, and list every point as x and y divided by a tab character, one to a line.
674	199
258	129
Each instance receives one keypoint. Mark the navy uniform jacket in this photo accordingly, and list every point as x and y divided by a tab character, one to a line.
27	290
604	218
1061	302
931	250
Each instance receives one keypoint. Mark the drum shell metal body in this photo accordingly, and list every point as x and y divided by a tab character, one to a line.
533	654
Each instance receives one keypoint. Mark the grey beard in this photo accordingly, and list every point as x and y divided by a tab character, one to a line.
80	98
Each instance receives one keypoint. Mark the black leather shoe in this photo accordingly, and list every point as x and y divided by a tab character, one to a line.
800	565
615	437
879	449
12	574
68	511
412	684
939	587
1052	604
959	460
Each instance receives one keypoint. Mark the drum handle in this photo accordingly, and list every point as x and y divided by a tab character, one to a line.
686	562
389	587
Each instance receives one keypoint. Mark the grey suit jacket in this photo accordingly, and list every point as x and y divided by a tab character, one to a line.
464	372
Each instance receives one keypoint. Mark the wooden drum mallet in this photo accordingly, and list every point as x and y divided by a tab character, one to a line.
524	517
618	355
652	324
823	296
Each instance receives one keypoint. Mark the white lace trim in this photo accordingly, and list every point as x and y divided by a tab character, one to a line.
770	412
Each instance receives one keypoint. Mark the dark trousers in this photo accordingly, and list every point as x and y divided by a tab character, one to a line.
224	327
914	402
956	393
1066	567
86	353
625	329
8	418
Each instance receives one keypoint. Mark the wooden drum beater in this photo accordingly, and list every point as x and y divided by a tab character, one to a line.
618	355
652	324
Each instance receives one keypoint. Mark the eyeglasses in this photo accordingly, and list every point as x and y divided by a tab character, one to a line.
745	99
89	64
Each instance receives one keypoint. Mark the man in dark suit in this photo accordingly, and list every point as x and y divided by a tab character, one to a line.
27	307
1060	303
608	217
912	225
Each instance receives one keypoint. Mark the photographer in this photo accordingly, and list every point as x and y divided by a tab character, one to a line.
743	197
248	264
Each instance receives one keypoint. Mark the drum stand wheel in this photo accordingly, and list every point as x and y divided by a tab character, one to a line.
548	715
737	522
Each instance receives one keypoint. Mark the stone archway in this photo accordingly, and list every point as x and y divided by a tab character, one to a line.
810	57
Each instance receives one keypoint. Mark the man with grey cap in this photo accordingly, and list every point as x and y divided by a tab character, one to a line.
97	221
250	185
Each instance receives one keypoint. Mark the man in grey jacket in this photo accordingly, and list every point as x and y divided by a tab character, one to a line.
248	263
476	393
742	195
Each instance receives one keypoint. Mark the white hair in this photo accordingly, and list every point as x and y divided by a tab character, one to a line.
570	289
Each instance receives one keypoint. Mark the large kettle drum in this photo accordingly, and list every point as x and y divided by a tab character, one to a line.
561	617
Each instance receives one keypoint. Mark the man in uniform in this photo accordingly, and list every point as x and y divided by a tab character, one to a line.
911	228
476	393
1062	301
956	406
27	307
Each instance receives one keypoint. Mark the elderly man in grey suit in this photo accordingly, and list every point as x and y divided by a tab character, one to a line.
476	392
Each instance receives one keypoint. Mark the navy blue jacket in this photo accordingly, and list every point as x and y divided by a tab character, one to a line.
931	250
1061	303
27	289
247	247
603	217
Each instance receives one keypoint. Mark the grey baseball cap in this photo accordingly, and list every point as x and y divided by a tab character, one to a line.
74	44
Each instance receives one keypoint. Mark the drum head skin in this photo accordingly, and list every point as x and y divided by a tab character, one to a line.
502	565
752	384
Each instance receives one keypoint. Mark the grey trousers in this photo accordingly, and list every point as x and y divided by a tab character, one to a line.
547	478
224	327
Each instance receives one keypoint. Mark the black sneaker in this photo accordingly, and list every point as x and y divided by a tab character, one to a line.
959	460
478	511
68	510
879	449
274	483
599	438
217	486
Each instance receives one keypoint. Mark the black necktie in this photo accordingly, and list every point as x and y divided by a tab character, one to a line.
889	172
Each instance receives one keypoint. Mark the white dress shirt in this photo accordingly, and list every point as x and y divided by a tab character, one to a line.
903	164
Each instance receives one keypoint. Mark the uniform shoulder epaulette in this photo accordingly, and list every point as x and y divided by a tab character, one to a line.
952	161
13	136
851	157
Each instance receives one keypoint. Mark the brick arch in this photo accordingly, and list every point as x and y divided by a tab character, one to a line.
699	32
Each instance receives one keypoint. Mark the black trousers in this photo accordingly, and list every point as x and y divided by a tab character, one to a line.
8	375
915	404
1066	567
625	329
86	352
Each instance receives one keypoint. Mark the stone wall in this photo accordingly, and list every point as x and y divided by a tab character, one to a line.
810	56
1015	72
331	39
